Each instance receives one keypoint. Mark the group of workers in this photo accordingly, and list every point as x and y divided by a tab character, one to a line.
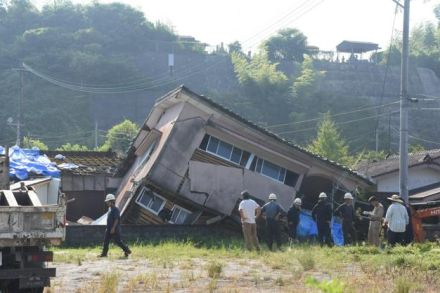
396	220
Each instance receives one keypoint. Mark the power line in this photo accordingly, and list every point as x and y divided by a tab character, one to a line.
332	115
385	77
339	123
417	138
135	87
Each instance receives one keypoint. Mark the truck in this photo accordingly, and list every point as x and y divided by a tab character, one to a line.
32	218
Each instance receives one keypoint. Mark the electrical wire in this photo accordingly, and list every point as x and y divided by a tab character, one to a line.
337	123
417	138
332	115
386	71
137	87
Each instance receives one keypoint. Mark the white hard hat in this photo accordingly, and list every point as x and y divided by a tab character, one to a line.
348	196
109	197
322	195
297	201
272	196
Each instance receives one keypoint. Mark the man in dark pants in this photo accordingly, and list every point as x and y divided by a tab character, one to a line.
113	229
322	214
293	218
396	219
272	212
346	212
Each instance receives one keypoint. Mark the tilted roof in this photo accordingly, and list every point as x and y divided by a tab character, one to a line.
391	164
265	131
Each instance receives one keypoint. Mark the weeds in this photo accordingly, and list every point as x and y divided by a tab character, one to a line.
214	269
109	283
212	285
194	267
279	281
332	286
402	285
306	260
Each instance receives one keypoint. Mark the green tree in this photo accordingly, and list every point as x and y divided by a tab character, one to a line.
306	84
29	143
120	136
415	148
288	44
265	88
68	147
329	143
235	47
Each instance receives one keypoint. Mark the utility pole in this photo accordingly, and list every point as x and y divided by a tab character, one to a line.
19	123
96	134
403	146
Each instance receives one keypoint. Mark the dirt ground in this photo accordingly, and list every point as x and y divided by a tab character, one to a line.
136	275
177	267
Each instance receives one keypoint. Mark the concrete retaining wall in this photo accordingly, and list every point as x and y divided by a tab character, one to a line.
84	235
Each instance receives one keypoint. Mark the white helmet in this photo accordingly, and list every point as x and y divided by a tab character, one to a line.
297	201
348	196
109	197
322	195
272	196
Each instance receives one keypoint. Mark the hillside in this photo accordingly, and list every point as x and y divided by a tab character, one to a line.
88	72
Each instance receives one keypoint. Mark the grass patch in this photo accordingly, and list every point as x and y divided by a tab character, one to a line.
331	286
306	260
196	267
214	269
402	285
108	283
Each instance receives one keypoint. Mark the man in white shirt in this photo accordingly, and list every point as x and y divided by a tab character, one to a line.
396	218
249	211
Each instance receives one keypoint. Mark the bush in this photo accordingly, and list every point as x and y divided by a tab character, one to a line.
214	269
307	261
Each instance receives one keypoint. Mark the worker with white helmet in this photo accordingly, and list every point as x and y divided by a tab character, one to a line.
272	212
113	230
322	214
293	218
346	212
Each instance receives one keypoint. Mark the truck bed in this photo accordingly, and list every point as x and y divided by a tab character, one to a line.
23	224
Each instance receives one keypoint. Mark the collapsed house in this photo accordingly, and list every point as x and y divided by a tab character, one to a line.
86	177
193	157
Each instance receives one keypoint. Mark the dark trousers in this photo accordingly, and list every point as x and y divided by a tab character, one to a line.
273	232
349	233
395	237
116	239
292	230
324	235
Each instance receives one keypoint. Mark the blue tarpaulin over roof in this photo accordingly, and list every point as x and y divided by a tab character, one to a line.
23	162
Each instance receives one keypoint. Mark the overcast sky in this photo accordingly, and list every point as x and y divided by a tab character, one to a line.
324	22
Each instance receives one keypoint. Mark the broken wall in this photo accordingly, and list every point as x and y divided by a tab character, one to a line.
223	186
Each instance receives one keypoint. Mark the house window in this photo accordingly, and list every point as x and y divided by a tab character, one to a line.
150	201
245	159
147	154
224	150
179	215
273	171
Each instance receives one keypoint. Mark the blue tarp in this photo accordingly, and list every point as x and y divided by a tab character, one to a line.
22	162
307	228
